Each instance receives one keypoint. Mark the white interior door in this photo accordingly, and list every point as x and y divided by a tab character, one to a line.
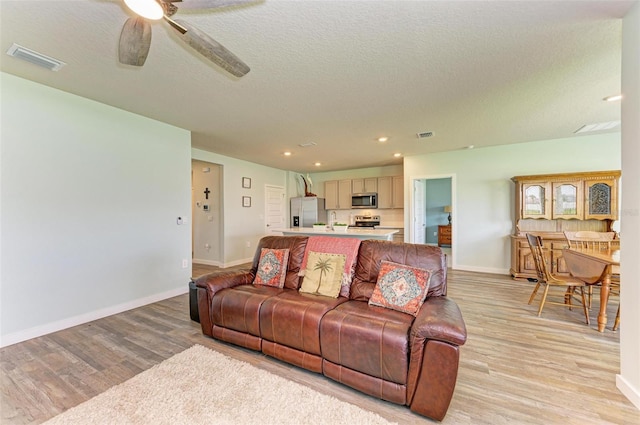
419	212
274	208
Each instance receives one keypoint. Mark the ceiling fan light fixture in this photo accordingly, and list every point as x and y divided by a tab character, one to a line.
149	9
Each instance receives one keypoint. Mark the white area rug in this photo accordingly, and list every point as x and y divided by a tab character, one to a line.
201	386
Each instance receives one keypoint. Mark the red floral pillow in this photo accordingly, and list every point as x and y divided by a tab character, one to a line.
400	287
272	268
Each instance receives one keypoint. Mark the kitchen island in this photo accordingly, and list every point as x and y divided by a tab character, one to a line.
360	233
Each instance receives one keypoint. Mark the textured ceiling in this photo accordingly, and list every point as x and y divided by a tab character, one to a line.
343	73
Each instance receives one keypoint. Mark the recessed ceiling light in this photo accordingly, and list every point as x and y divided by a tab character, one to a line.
317	164
601	126
470	147
613	98
287	153
382	139
397	154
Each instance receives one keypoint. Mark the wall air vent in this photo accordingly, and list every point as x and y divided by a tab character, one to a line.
35	58
425	134
307	144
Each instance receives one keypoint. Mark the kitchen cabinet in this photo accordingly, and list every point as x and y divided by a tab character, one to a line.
337	194
391	192
367	185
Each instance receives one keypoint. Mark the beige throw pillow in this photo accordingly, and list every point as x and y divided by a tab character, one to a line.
323	275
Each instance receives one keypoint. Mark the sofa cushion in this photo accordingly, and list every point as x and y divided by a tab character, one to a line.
238	308
373	252
272	268
368	339
323	274
293	319
296	246
399	287
335	245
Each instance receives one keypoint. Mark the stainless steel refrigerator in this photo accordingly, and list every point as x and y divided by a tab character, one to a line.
305	211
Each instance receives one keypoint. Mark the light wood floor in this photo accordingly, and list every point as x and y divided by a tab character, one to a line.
516	368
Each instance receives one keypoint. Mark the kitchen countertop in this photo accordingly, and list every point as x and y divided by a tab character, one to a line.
384	234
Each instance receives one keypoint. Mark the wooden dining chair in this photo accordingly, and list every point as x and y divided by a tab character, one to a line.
591	240
598	241
546	279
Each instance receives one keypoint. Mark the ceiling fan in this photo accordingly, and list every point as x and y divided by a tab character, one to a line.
135	38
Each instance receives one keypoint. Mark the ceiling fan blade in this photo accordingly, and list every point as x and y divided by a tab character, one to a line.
207	4
135	40
211	49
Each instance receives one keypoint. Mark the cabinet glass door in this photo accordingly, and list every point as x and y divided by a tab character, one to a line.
567	200
601	202
534	201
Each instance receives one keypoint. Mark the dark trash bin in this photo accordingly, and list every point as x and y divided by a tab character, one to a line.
193	301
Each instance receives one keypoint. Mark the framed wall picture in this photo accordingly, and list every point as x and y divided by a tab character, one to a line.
246	182
246	201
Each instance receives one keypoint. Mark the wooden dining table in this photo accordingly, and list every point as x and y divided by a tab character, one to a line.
593	266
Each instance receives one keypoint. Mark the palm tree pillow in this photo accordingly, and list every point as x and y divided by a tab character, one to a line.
323	275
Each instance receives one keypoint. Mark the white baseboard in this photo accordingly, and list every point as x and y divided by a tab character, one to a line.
481	269
625	387
15	337
237	262
222	265
207	262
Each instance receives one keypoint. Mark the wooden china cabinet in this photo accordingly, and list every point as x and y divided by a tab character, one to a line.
550	204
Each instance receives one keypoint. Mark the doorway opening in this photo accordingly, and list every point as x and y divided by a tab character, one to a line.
206	213
432	213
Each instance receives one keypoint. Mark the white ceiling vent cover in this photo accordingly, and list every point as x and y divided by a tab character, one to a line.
601	126
425	134
35	58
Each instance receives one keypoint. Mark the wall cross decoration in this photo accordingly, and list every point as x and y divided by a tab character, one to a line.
207	192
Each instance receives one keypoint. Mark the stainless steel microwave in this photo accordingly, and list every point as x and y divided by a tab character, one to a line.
364	200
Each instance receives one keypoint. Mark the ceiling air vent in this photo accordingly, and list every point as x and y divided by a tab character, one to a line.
35	58
307	144
425	134
601	126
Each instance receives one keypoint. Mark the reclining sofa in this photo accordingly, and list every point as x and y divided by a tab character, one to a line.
388	354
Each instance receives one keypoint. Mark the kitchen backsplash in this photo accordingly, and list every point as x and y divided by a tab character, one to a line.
388	217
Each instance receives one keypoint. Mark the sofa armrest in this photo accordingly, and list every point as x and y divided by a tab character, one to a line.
440	319
437	332
208	285
217	281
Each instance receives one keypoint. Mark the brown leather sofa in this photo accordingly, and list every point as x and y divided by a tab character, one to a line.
384	353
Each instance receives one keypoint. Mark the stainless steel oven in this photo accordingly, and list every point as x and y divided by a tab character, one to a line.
364	200
366	221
